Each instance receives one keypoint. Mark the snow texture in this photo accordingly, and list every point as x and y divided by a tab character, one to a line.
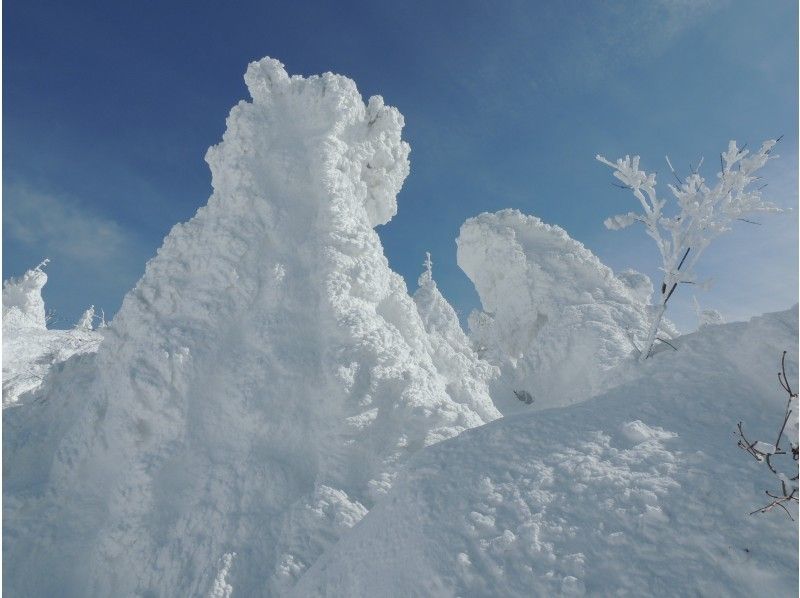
555	320
221	588
30	350
641	491
260	386
272	414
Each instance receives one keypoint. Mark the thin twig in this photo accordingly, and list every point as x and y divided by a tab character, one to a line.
658	338
675	174
766	455
683	259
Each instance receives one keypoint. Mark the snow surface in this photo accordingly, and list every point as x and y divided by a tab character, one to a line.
271	413
641	491
29	348
259	388
555	320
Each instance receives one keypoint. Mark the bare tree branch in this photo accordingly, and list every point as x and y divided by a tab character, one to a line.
765	453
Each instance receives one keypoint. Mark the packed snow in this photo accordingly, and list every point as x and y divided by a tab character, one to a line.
272	413
640	491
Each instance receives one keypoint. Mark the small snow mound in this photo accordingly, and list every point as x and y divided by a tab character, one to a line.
336	505
637	431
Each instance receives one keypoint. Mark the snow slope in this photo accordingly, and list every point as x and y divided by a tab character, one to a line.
29	348
555	320
641	491
259	388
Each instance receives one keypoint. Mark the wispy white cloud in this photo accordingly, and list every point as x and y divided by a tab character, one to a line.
63	228
594	41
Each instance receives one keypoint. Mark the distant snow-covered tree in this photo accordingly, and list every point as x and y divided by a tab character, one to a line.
87	320
704	212
706	317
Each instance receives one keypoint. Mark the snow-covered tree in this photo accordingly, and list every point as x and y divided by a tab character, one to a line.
547	304
87	320
704	212
23	305
706	317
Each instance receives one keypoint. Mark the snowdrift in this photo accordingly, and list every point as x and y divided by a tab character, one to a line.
262	384
29	348
555	320
641	491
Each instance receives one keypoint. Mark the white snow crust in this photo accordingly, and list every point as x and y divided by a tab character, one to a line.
555	320
641	491
30	349
262	384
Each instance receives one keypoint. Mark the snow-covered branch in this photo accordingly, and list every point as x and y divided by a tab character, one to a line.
704	212
768	453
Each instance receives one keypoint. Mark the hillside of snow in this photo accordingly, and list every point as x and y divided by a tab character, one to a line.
641	491
260	387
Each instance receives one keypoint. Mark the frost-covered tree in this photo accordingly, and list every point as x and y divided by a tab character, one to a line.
704	212
706	317
87	320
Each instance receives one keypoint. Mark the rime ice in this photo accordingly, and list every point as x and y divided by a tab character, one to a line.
264	382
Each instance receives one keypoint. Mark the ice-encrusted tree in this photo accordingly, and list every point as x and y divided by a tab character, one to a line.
704	212
87	320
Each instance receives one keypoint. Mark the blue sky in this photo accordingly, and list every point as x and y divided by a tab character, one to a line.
108	109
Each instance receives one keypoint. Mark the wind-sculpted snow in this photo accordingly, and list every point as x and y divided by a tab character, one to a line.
555	319
30	350
467	375
23	305
261	385
641	491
